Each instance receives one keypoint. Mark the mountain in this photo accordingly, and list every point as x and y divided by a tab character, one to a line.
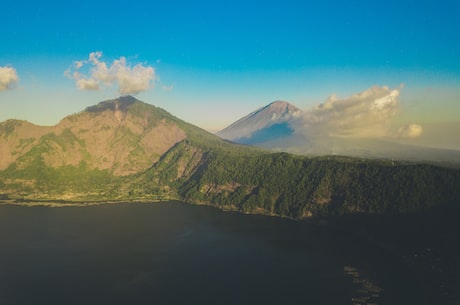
124	149
113	139
265	124
274	127
123	136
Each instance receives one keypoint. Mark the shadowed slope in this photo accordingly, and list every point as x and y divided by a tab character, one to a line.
260	125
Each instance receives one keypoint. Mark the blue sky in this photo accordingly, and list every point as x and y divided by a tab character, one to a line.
215	62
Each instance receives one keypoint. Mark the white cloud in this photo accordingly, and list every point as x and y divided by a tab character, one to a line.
87	84
367	114
8	78
409	131
130	80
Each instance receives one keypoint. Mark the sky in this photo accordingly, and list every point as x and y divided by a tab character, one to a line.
211	63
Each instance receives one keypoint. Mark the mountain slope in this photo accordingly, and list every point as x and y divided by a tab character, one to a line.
298	187
124	149
274	127
122	136
17	138
266	123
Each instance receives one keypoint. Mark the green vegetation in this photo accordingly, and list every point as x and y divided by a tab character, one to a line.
41	181
281	184
203	169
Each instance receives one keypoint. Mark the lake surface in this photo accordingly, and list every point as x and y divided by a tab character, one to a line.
173	253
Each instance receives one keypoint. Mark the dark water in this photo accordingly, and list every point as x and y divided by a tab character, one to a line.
172	253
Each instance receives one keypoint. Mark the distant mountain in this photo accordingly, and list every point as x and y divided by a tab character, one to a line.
124	149
361	148
265	124
273	127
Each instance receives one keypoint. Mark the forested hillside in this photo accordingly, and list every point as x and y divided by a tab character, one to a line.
294	186
151	155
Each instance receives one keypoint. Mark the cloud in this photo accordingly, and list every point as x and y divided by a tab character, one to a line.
87	84
367	114
130	80
409	131
8	78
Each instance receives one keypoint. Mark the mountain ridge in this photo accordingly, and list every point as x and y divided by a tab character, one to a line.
144	153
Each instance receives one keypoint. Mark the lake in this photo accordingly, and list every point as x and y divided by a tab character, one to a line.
174	253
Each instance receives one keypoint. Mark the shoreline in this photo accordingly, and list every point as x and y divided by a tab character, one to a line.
66	203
